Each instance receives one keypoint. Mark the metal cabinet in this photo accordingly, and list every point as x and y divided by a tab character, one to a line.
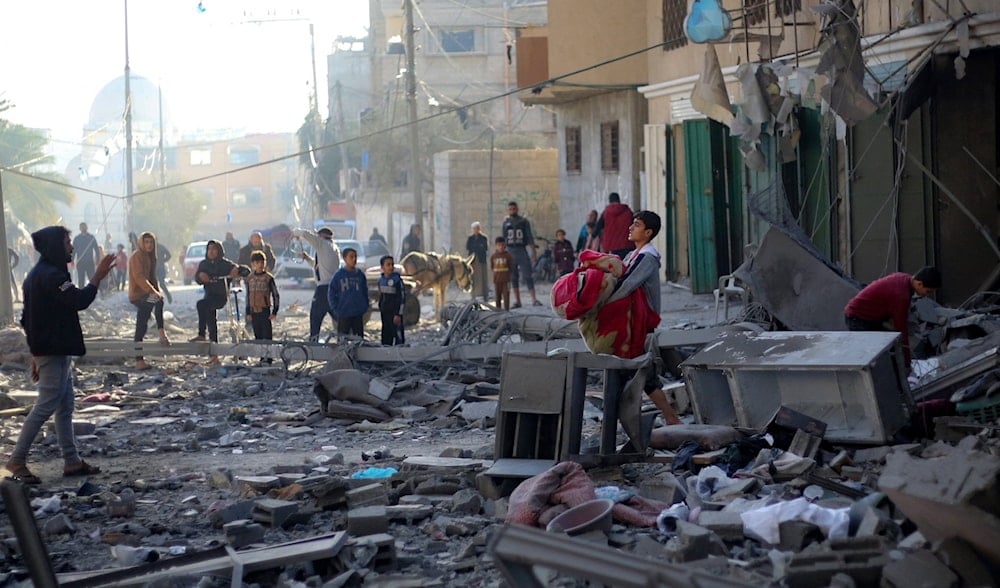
852	381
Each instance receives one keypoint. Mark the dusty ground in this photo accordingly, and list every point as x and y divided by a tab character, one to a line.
170	460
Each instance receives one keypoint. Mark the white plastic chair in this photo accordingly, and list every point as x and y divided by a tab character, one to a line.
728	288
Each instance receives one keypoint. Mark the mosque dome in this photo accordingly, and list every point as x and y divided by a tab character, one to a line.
109	104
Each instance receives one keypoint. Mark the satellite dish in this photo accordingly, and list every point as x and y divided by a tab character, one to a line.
707	21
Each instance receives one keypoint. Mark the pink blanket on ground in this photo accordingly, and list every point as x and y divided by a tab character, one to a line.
539	499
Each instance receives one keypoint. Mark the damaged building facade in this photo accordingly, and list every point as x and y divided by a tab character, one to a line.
866	129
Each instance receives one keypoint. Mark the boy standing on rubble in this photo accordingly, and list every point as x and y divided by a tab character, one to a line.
500	264
262	298
348	296
642	269
390	302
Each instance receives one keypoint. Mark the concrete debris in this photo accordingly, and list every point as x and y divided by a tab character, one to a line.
217	469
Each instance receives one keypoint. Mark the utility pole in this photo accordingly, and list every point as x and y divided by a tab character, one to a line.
129	205
6	297
411	101
345	170
163	155
316	120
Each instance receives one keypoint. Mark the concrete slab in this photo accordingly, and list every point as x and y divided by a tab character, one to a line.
951	496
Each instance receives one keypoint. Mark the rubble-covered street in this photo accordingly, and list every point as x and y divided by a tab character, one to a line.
405	488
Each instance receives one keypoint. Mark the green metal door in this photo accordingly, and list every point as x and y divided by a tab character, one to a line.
705	172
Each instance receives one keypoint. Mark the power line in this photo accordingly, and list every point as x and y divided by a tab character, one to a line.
395	127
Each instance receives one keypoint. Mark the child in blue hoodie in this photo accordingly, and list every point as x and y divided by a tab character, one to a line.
348	296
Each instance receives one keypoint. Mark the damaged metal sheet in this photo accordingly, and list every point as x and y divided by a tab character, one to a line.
852	381
795	286
842	63
959	365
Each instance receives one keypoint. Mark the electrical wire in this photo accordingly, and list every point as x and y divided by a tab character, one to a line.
336	144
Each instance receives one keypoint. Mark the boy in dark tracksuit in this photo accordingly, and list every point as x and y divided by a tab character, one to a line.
390	302
262	297
348	296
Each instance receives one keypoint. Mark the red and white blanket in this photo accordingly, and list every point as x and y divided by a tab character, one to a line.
617	328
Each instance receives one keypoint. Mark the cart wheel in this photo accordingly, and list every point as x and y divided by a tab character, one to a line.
411	311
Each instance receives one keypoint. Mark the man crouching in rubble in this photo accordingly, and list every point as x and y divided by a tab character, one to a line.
888	299
52	325
642	268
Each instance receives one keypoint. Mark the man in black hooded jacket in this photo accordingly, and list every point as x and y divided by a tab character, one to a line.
51	323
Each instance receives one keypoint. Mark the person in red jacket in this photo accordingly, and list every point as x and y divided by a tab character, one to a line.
612	227
888	299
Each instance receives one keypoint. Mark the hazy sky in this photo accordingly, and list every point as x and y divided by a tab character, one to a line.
217	68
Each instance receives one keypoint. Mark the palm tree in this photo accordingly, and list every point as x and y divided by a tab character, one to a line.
31	197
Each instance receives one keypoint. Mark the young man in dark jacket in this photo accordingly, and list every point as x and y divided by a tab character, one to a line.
52	325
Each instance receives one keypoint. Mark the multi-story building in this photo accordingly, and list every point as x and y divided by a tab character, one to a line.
868	131
239	194
465	62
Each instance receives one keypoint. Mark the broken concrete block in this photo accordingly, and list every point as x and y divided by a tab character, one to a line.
919	570
664	487
872	454
728	525
796	535
374	551
233	512
367	520
694	542
953	496
367	495
476	411
273	512
409	512
466	501
242	532
861	559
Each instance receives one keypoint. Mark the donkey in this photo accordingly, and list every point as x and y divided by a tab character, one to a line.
433	270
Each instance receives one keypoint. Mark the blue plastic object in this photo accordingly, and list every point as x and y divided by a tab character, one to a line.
707	21
373	473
